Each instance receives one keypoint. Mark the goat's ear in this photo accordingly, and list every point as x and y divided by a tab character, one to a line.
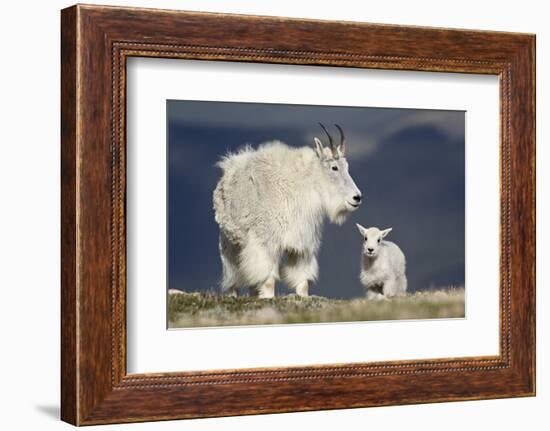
362	230
385	232
319	149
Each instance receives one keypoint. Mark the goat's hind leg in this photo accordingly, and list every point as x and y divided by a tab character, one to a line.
259	267
401	284
230	270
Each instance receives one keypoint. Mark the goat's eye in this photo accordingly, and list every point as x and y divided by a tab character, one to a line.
335	168
378	239
366	238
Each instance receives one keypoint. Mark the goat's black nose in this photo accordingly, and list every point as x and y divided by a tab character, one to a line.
357	198
370	250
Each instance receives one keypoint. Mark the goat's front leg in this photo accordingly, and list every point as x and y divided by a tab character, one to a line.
374	295
267	289
299	271
390	288
303	289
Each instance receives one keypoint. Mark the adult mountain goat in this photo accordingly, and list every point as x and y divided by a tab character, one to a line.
270	204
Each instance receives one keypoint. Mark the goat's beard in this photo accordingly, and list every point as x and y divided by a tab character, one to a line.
338	214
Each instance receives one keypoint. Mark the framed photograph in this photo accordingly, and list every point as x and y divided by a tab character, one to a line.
322	214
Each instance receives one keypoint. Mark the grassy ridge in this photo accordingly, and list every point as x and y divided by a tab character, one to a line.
208	309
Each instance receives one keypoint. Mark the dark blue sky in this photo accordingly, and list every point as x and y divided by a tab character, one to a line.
408	163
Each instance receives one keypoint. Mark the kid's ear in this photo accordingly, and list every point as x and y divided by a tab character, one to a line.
385	232
319	148
362	230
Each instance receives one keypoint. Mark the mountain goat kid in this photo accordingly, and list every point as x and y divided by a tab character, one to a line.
382	264
270	203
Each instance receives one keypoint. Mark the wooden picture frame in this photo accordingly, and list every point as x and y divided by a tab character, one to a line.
95	43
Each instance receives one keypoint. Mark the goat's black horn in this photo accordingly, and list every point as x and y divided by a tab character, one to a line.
342	139
330	141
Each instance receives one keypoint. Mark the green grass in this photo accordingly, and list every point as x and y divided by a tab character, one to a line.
209	309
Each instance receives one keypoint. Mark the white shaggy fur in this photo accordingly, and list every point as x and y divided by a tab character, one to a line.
270	204
382	264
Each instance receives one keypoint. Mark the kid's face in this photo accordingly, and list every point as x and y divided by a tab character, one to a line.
372	238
